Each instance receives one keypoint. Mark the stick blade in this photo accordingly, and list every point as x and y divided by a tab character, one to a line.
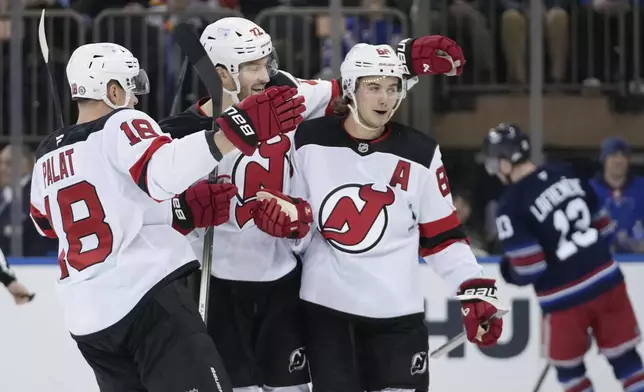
197	56
42	38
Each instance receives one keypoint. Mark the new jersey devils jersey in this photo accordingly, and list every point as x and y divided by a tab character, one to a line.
550	226
94	187
376	205
241	252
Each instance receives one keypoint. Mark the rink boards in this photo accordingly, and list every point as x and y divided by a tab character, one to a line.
37	353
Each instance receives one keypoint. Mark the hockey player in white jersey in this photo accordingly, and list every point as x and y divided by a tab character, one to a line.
256	277
378	195
96	186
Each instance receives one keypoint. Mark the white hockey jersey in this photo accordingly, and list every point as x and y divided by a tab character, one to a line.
94	187
241	251
376	205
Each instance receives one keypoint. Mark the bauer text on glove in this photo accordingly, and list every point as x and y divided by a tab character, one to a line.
261	117
481	316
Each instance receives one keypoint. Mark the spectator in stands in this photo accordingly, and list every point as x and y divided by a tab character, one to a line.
514	38
92	8
463	205
375	29
33	243
600	25
471	24
621	193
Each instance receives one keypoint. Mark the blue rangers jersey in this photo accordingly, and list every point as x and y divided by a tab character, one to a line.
552	233
625	206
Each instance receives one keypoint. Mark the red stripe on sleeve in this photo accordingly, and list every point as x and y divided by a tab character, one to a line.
433	229
138	170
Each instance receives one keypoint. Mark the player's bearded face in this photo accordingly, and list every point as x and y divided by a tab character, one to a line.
253	76
376	98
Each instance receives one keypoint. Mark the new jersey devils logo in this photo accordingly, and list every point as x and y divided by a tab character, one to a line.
419	363
297	360
353	217
251	174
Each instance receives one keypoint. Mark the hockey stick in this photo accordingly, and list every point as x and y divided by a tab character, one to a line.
176	102
44	49
449	346
459	339
197	56
544	372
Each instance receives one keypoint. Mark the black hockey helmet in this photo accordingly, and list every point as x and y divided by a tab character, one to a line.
505	141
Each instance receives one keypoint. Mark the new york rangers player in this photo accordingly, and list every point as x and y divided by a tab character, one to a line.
256	277
550	224
96	186
379	196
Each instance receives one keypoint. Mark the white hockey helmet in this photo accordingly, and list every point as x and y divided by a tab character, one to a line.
364	60
91	67
232	41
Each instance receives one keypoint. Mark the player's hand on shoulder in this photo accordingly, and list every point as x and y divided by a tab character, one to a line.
281	215
261	117
480	310
431	54
202	205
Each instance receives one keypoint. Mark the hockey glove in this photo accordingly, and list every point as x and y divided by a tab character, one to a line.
261	117
431	54
202	205
281	215
481	317
20	293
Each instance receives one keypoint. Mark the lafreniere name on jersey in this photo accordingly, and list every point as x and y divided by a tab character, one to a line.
550	199
58	167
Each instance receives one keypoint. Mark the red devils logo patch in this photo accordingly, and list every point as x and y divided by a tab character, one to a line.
353	218
251	174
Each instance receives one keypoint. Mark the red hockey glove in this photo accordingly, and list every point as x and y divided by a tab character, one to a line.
480	314
202	205
431	54
261	117
281	215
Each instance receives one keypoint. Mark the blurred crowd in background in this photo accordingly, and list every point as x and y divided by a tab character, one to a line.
591	56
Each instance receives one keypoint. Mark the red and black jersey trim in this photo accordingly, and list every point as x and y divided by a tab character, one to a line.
438	235
139	171
42	221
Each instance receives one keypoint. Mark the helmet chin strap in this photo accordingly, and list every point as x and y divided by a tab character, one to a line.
234	94
128	95
356	115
